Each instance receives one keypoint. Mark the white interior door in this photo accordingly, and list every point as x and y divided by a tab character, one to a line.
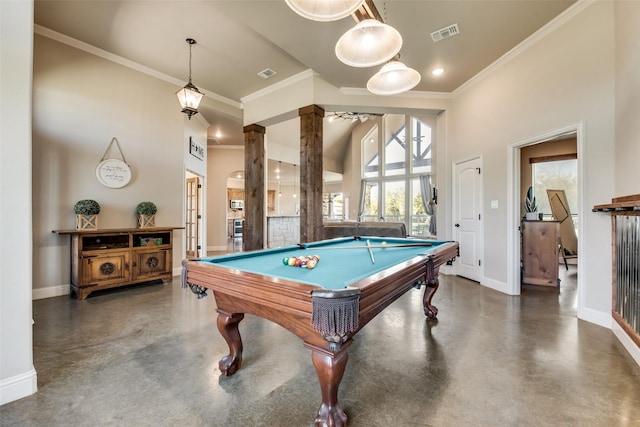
468	218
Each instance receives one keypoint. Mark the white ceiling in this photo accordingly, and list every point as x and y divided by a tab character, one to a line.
236	39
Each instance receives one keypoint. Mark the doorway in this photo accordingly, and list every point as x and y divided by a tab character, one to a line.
515	197
467	202
193	215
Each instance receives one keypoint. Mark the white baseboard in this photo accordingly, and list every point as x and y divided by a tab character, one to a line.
50	292
446	270
495	285
627	342
177	271
598	317
19	386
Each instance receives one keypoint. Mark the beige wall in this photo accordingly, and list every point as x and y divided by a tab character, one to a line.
567	77
80	102
17	374
627	64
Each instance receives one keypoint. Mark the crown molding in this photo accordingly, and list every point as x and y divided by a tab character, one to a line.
410	94
280	85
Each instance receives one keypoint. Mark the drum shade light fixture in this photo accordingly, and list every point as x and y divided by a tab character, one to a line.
393	78
369	43
189	96
324	10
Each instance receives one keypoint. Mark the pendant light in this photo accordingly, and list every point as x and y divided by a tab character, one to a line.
393	78
324	10
189	96
369	43
294	181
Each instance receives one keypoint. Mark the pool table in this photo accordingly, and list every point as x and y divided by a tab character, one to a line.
354	280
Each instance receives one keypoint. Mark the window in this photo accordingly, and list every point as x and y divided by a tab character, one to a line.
370	157
332	206
560	173
393	192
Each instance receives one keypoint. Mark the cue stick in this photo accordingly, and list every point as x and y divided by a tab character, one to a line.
399	245
373	261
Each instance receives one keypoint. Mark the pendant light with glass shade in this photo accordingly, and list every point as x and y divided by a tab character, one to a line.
324	10
294	181
393	78
369	43
189	96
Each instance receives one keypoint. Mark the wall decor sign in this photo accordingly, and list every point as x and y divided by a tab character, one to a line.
195	149
113	173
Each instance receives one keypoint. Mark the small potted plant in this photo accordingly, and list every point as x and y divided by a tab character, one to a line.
146	214
531	206
86	214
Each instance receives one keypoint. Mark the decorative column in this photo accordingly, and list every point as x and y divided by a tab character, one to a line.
311	173
254	188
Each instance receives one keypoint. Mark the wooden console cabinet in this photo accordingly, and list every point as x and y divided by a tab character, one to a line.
540	245
109	258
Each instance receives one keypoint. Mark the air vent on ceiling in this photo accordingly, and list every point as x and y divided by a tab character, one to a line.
266	73
445	33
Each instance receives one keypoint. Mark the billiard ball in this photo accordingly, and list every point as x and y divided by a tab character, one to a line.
383	243
285	260
292	261
311	264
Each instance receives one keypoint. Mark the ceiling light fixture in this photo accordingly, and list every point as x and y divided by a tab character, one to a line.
393	78
369	43
437	71
294	181
324	10
189	96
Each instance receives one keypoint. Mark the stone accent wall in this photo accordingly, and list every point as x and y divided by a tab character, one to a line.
283	231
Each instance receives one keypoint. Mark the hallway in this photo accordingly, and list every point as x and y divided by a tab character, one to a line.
148	356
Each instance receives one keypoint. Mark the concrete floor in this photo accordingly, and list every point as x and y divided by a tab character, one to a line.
148	356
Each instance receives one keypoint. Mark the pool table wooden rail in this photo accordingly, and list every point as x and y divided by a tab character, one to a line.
289	304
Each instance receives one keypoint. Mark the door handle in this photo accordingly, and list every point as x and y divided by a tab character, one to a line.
457	225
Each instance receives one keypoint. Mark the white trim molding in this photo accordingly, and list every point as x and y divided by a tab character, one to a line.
628	344
18	386
50	292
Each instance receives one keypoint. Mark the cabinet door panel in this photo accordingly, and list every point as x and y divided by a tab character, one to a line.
106	268
150	264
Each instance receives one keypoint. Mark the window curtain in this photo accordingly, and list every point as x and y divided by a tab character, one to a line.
426	190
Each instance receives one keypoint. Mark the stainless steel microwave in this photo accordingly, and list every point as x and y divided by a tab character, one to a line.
236	204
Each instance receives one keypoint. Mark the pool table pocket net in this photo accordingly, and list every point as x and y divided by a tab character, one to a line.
335	313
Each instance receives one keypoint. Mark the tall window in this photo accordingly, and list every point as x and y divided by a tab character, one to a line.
392	166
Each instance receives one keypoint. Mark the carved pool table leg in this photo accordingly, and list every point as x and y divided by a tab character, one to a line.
330	369
228	327
430	289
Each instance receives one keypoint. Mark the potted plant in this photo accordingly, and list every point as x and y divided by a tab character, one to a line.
86	214
146	214
531	206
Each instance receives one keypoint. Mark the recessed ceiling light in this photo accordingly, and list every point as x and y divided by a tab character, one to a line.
218	134
437	71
